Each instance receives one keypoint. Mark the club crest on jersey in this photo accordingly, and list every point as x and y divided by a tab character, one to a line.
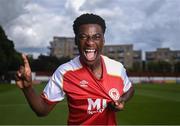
114	93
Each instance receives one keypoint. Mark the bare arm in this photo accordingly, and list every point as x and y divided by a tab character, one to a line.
24	82
37	103
128	95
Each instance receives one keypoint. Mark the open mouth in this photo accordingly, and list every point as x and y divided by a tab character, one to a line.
90	54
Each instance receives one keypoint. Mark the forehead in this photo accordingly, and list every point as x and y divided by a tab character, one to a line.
90	28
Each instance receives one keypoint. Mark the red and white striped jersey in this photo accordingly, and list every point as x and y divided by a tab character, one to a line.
87	96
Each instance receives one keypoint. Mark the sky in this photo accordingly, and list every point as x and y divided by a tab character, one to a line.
147	24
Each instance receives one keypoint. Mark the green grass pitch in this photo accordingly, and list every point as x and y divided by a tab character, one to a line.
152	104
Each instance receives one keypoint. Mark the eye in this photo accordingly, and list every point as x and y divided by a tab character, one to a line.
97	37
83	37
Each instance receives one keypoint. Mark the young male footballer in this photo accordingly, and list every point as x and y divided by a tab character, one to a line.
96	87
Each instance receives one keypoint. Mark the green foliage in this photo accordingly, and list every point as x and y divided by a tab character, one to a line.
161	67
177	67
137	67
10	58
47	63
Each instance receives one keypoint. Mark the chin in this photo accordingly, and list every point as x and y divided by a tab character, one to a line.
91	63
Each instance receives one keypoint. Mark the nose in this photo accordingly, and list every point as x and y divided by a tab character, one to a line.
90	41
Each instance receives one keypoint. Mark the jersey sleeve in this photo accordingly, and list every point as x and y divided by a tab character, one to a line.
115	68
126	81
53	92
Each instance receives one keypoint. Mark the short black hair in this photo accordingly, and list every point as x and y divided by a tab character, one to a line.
88	19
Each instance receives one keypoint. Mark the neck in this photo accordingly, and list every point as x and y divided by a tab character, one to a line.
95	66
97	69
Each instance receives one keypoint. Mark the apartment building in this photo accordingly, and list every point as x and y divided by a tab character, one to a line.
163	54
65	46
123	53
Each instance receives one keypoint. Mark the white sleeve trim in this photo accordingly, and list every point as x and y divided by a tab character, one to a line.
54	88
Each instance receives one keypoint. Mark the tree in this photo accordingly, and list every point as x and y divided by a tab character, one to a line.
137	66
47	63
177	67
10	58
160	67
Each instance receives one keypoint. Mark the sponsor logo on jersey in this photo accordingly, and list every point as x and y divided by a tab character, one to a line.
114	93
83	83
96	105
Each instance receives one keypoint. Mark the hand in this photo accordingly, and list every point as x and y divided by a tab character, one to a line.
23	75
117	105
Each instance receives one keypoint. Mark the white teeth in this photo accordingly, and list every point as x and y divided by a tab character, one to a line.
90	50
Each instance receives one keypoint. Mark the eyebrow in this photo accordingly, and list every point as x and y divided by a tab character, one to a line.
88	35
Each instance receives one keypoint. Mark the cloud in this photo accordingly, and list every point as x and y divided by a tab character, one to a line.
9	10
160	28
145	24
37	26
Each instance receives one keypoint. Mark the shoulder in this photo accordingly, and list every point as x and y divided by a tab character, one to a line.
113	67
111	62
72	65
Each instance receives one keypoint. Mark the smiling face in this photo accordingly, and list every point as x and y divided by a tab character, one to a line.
90	41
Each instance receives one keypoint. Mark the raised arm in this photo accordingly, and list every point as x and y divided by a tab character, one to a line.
24	82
